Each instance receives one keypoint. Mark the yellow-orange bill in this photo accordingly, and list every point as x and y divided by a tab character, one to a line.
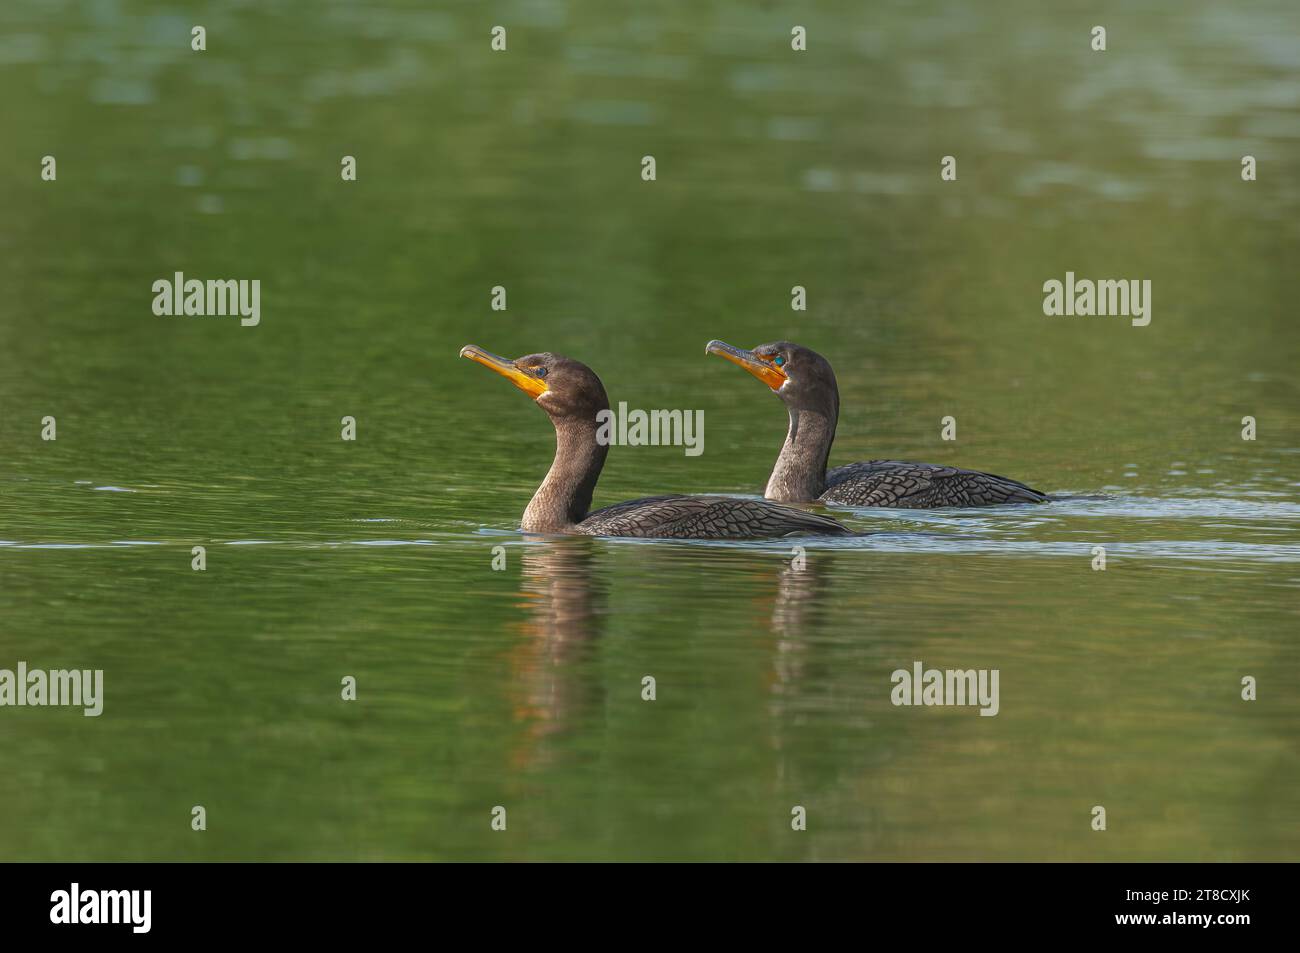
768	373
526	382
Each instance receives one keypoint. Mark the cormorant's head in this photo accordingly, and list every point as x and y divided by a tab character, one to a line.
561	386
801	377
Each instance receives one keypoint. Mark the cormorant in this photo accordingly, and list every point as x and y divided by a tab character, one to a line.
804	381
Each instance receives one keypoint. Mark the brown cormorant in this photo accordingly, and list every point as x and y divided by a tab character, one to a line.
804	381
572	395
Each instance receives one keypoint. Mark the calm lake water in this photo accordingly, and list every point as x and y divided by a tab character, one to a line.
522	687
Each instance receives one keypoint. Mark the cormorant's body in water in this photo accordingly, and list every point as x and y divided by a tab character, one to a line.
804	381
573	396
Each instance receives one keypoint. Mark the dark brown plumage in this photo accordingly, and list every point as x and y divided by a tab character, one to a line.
572	395
805	382
921	486
706	517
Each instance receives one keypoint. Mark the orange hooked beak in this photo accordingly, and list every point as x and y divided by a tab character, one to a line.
763	369
528	383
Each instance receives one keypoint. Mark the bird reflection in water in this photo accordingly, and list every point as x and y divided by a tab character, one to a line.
556	687
563	605
800	593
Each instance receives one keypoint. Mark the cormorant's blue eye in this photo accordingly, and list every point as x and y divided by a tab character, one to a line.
539	371
779	361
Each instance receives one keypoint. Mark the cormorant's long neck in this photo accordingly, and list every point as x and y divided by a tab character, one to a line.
564	498
800	472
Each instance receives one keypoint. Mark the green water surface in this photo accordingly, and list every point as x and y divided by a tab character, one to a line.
523	687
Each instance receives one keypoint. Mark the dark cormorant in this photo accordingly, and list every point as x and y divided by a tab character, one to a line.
803	379
572	395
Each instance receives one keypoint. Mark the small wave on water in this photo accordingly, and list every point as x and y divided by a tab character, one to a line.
1184	528
1130	507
